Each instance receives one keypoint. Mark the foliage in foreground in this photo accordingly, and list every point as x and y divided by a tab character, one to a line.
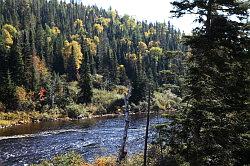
213	127
75	159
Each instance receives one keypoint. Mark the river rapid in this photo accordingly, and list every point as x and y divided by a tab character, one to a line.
31	143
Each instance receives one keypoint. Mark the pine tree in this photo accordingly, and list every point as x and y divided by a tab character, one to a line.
86	93
16	63
139	84
71	70
8	92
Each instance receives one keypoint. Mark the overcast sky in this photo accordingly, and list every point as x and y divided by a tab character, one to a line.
151	10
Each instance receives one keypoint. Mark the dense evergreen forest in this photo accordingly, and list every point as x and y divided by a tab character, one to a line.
45	44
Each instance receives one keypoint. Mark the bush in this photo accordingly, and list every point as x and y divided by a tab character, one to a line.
76	110
121	90
115	105
105	161
165	100
97	81
27	106
73	90
141	107
103	99
135	160
68	159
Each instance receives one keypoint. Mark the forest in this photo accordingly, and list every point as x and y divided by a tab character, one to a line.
66	61
48	45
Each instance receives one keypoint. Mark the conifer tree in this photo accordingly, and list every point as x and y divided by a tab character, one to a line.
8	92
211	130
86	94
16	63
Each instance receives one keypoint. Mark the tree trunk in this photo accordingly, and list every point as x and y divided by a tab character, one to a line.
122	152
147	126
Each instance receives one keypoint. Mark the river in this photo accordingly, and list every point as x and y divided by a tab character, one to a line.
31	143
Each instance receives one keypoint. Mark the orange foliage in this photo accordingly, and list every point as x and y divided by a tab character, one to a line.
40	66
21	94
105	161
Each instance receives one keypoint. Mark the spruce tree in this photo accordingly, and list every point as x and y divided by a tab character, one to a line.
16	63
8	92
72	72
212	129
85	84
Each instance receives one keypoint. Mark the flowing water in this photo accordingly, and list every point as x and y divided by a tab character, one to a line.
26	144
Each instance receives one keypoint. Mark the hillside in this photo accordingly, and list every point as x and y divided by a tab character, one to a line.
47	44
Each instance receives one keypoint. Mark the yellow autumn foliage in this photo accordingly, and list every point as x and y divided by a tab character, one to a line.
77	53
72	49
40	66
131	23
122	27
96	40
55	30
103	21
75	37
92	45
113	14
67	49
126	41
156	51
120	67
150	32
132	57
11	29
21	94
153	44
142	46
99	28
8	33
105	161
8	38
78	23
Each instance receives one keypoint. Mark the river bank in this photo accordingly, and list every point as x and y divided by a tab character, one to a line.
19	118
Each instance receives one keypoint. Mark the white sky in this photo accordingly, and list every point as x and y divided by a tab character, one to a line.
151	10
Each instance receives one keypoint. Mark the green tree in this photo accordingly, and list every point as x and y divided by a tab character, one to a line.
212	129
85	84
8	92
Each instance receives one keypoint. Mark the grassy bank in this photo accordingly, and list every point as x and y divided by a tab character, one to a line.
20	117
104	102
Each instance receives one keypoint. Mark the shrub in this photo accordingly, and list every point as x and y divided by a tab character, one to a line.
97	81
68	159
135	160
165	100
73	90
103	99
21	94
105	161
75	110
121	90
115	105
27	106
